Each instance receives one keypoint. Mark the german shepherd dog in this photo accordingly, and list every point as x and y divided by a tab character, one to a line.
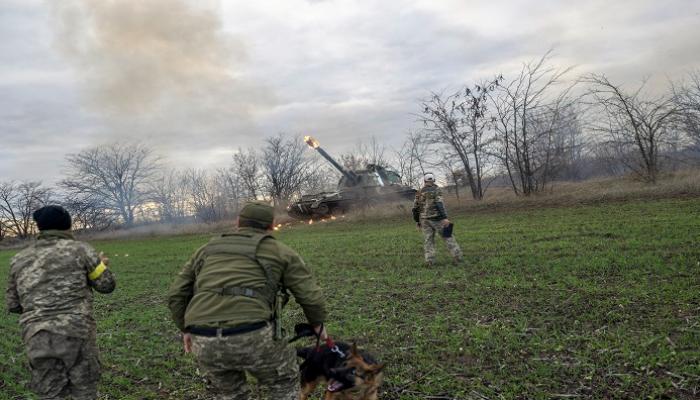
350	374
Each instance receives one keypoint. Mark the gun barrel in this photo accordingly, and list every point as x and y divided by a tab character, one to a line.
335	164
313	143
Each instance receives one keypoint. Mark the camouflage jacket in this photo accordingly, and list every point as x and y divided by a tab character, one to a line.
193	299
50	285
428	204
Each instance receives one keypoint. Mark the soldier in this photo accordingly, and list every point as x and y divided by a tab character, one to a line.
430	216
224	301
50	286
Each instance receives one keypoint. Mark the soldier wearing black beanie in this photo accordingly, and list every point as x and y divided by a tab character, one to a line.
51	284
52	218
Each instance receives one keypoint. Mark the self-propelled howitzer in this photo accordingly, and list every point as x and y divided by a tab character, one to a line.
371	186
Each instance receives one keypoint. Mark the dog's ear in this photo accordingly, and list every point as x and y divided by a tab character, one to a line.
353	350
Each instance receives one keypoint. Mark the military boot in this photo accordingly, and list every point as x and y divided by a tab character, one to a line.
429	264
457	260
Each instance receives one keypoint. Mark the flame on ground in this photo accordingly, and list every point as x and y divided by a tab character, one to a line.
311	222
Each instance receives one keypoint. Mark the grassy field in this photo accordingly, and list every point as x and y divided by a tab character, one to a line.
583	302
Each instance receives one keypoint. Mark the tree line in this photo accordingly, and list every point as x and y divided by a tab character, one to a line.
542	125
524	131
122	184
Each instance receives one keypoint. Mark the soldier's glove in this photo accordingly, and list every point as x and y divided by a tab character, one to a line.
302	330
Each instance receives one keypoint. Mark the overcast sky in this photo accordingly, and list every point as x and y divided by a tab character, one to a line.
198	79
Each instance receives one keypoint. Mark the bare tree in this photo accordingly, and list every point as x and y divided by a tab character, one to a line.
17	203
246	166
460	121
202	195
570	145
286	167
231	191
170	195
113	178
321	177
529	116
687	99
454	172
89	216
411	159
366	152
636	126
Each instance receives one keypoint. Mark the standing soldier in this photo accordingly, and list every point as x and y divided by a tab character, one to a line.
430	216
50	286
226	302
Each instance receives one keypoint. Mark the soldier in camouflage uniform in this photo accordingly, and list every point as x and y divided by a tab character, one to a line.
430	216
50	286
224	299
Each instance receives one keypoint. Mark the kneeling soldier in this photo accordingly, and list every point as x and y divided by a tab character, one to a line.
225	300
50	286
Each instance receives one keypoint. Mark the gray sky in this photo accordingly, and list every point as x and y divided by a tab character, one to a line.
196	80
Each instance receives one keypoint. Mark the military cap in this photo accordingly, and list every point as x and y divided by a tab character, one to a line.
258	211
52	218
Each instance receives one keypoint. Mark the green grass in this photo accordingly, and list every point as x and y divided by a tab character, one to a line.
588	302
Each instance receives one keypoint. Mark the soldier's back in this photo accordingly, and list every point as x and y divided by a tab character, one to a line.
51	281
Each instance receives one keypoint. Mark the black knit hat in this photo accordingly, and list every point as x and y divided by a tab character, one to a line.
52	218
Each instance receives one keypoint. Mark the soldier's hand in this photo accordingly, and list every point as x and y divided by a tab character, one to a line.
103	258
187	342
321	330
445	222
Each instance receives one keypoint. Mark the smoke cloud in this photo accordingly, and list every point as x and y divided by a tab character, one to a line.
161	68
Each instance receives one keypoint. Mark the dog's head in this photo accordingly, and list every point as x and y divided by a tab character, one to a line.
357	370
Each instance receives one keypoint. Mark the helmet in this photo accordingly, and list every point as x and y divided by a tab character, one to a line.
429	177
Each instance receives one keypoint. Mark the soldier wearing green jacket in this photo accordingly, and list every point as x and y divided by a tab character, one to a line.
430	217
224	300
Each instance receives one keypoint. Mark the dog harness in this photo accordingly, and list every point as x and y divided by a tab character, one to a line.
329	343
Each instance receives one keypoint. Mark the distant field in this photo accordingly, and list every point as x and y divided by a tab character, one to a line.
583	302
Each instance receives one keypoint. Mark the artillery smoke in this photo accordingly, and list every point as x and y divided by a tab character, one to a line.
159	67
133	54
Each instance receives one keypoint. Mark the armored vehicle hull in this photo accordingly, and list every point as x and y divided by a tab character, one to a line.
324	205
372	186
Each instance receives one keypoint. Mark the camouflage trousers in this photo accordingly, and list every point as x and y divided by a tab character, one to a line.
225	360
430	228
63	367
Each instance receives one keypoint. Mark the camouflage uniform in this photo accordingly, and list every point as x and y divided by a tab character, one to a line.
429	212
225	360
211	291
50	286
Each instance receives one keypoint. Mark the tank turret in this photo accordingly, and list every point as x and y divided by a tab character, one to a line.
357	188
